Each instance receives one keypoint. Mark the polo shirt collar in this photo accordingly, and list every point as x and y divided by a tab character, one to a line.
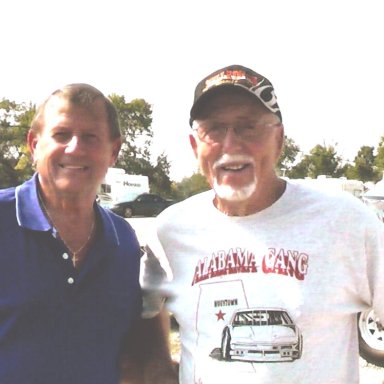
31	216
28	211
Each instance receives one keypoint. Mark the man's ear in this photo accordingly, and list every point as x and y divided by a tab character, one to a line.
192	140
32	140
280	138
115	151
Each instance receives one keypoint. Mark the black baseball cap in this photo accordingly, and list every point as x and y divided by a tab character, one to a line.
236	76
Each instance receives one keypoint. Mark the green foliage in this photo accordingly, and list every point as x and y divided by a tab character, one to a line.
135	120
379	159
322	160
300	170
363	168
15	120
158	175
135	157
288	155
135	123
190	186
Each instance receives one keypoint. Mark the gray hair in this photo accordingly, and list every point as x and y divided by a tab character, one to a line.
83	95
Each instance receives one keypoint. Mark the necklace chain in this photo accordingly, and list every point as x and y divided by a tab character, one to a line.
74	253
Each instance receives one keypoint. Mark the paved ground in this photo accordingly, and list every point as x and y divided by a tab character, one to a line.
369	374
142	226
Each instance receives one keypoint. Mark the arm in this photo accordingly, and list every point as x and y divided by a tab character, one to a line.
147	359
375	267
158	365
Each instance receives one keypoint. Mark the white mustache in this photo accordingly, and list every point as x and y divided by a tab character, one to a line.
230	159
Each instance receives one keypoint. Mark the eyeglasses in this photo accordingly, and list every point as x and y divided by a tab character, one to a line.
214	133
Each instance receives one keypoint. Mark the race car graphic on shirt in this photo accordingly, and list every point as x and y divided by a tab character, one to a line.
260	335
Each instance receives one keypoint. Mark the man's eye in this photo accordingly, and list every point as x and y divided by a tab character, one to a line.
215	129
90	138
62	137
246	128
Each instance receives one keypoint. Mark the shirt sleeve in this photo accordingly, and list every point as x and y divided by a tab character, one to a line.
375	266
155	278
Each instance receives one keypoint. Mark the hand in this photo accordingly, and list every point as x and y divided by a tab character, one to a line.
161	373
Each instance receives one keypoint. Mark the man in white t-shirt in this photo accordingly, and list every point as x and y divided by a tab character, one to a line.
266	276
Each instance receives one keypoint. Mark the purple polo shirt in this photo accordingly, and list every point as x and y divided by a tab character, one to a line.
59	325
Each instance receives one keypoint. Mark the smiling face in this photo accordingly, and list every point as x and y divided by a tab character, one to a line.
240	166
73	149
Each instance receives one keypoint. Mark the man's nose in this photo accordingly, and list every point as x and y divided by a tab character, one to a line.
231	139
73	144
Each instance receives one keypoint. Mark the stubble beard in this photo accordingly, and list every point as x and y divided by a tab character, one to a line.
229	192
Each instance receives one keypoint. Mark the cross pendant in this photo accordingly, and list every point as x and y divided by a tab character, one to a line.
74	259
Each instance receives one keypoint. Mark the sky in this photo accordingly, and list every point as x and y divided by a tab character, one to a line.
324	58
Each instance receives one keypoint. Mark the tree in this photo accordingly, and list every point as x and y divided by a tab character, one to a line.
136	157
135	123
300	170
363	168
159	176
379	159
189	186
135	120
322	160
15	165
288	155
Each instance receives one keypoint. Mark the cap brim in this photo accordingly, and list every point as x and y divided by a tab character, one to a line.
211	93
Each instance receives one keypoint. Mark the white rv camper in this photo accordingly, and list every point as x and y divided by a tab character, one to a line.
374	198
121	186
355	187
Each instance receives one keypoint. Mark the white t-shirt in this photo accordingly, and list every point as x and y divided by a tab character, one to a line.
270	297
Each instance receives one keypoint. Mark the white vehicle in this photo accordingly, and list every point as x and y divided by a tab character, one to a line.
325	183
104	200
371	330
374	198
371	338
121	186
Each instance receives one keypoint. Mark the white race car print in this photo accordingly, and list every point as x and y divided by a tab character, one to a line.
261	334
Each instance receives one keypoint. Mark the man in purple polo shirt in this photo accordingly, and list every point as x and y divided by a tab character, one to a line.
69	275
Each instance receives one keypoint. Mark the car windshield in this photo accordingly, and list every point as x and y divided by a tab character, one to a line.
262	317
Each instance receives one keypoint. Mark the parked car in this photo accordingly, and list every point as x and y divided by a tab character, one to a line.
145	204
371	338
261	334
371	329
104	200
